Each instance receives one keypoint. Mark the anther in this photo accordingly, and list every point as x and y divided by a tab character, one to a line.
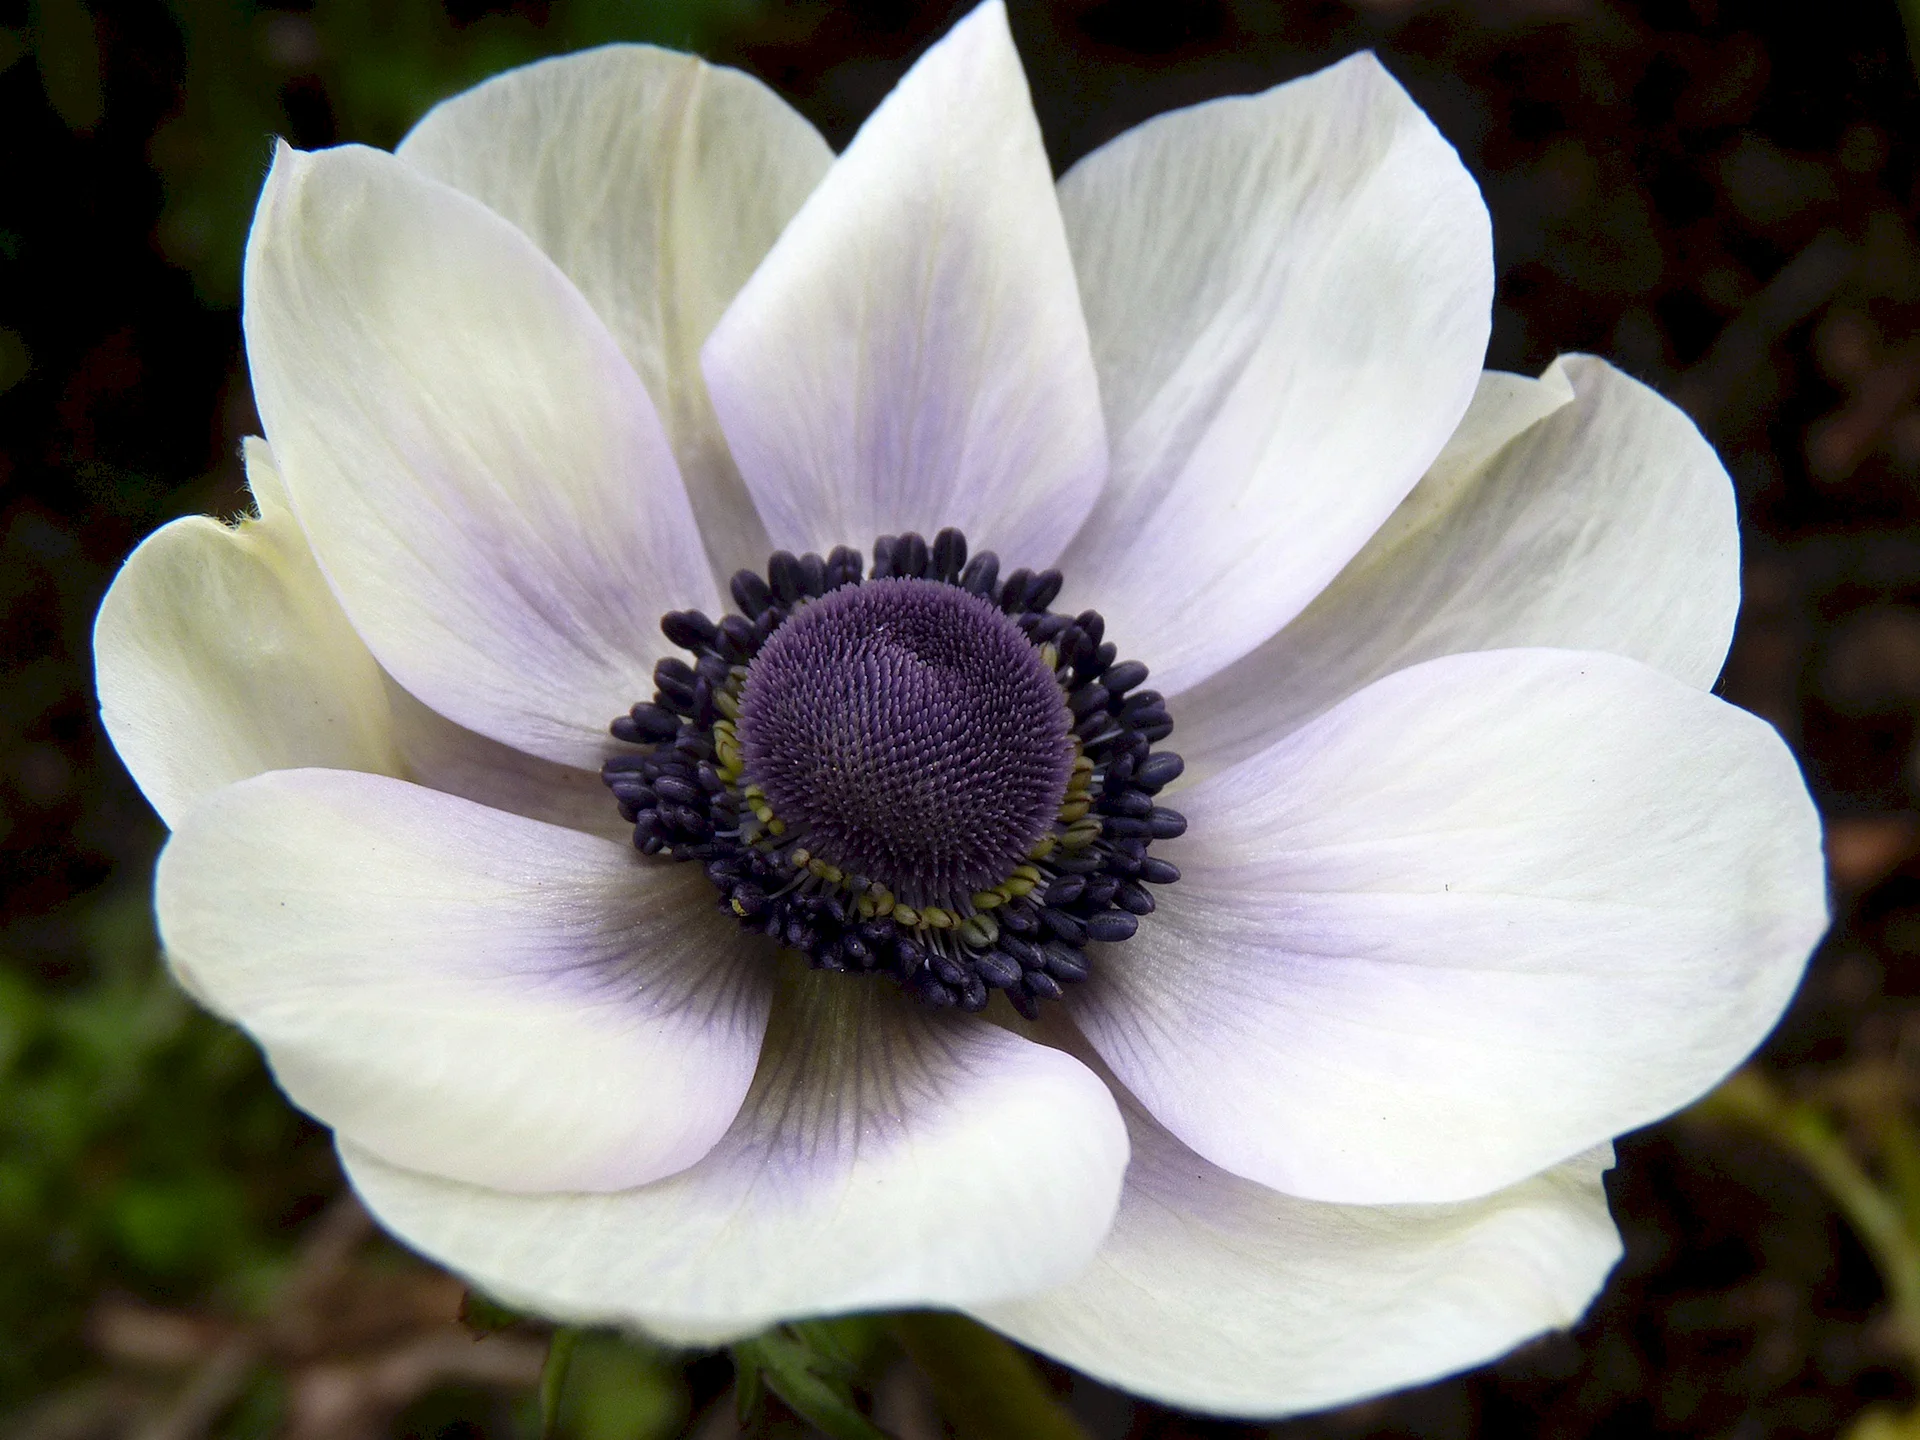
750	593
935	777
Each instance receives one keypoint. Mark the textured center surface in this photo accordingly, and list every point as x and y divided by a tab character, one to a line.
910	733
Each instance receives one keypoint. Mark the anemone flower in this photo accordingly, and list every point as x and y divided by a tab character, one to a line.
880	954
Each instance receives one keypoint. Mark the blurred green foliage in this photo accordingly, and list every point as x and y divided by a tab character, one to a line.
141	1147
619	1390
337	70
379	64
67	50
814	1366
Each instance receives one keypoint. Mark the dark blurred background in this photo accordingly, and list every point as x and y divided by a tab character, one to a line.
1720	198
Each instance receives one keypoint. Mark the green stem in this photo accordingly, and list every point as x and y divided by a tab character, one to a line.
1900	1158
984	1386
553	1379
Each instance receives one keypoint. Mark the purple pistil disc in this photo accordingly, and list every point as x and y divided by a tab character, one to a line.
910	732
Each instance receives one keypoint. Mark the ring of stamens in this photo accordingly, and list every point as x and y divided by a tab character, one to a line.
691	792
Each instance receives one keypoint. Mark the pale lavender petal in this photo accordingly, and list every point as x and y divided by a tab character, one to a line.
1580	510
481	475
462	990
219	653
656	182
1289	298
889	1155
911	353
1217	1294
1481	916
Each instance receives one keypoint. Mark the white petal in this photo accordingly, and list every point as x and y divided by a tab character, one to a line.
656	182
1580	511
462	990
443	756
1289	296
911	354
480	473
1217	1294
219	653
1483	915
888	1155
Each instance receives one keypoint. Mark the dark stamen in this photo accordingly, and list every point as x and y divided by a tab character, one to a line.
932	777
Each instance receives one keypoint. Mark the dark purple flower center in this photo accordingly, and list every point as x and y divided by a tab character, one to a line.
923	772
908	731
